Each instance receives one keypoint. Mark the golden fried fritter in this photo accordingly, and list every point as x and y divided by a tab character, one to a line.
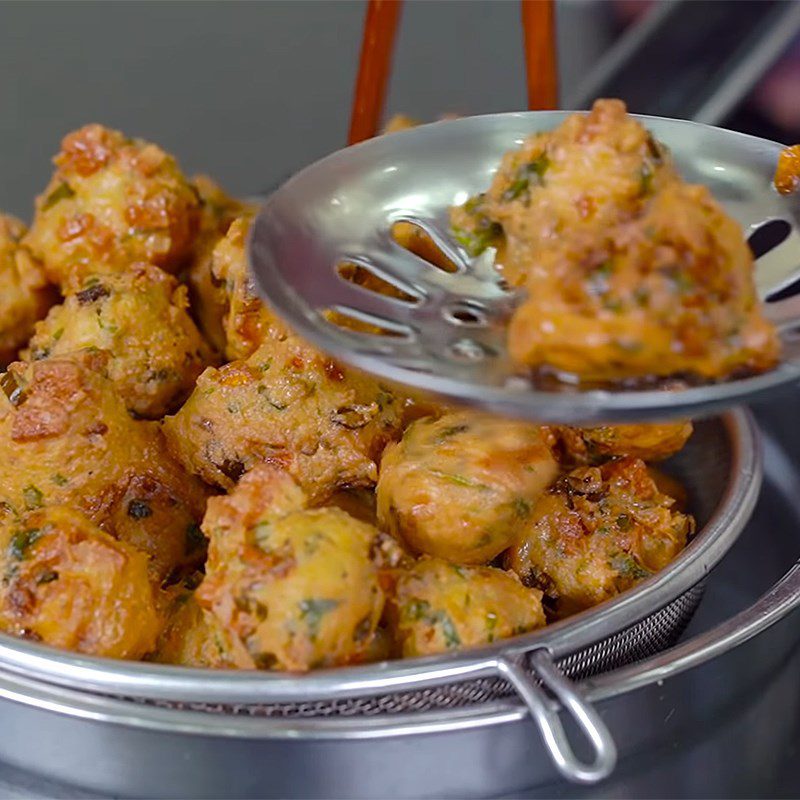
247	321
787	174
139	319
438	606
112	201
194	637
599	531
629	272
25	294
590	173
70	440
669	293
207	293
299	587
290	406
648	441
458	487
69	584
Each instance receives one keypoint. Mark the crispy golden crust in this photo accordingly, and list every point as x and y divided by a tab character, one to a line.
247	322
207	293
438	606
669	293
289	406
74	443
194	637
459	486
629	272
138	318
112	201
650	442
599	531
590	173
25	294
69	584
787	174
298	587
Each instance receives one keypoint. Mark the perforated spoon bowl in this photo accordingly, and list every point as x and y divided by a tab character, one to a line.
446	336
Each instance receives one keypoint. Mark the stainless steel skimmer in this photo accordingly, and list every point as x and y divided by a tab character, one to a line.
447	336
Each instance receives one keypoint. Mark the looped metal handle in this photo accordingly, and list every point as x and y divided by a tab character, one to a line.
545	714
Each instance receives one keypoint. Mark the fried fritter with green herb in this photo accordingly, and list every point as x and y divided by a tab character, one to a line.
437	606
68	584
139	320
290	406
298	586
459	486
69	440
596	533
112	201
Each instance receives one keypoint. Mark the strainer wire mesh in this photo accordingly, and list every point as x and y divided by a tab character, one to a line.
645	638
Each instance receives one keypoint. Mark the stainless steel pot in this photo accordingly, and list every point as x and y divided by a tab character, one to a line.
148	729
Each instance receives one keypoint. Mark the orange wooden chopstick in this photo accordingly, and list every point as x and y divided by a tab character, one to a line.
377	46
380	28
539	29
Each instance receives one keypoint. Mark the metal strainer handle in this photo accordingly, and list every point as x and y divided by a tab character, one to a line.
578	699
545	714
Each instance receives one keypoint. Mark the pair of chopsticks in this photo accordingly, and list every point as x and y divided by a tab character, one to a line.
377	46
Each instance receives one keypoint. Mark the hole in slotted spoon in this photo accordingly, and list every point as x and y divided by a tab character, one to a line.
784	294
359	275
358	321
414	239
768	236
465	314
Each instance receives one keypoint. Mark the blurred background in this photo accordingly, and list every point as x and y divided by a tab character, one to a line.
249	92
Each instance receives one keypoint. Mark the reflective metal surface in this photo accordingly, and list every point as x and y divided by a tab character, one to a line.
342	208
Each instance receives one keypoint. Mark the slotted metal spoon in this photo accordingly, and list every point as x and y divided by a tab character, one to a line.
448	336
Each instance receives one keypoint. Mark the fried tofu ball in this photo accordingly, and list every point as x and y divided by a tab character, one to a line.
598	532
648	441
25	294
112	201
209	301
437	606
139	318
194	637
588	174
298	586
290	406
459	487
69	584
669	293
70	440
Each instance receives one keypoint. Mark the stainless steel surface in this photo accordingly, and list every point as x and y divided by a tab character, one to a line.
603	750
341	209
747	700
